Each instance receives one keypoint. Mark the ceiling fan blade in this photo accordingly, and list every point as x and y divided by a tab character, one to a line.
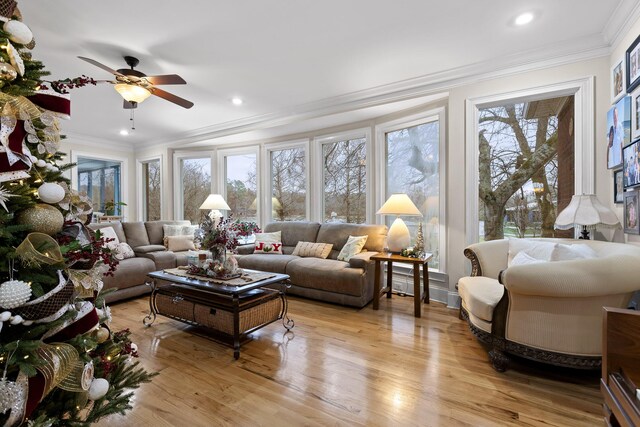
171	97
99	65
129	105
166	79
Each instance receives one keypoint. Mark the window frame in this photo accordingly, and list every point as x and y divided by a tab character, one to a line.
140	162
178	157
221	173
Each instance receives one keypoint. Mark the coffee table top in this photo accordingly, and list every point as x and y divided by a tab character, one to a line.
216	287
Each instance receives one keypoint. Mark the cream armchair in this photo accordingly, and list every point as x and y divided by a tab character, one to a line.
549	312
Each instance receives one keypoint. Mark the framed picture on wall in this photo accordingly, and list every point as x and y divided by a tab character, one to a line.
618	80
618	187
635	114
633	65
631	166
631	223
618	131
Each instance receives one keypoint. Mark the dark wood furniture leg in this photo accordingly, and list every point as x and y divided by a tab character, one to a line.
425	282
417	297
389	278
376	285
236	327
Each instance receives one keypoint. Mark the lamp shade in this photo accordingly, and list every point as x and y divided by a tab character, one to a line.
132	93
215	201
585	210
399	204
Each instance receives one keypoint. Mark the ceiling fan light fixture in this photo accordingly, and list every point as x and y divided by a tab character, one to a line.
132	93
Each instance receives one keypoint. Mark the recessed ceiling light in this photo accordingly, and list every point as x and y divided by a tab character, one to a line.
124	132
524	18
236	101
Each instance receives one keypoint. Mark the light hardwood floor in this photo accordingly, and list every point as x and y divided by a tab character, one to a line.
343	366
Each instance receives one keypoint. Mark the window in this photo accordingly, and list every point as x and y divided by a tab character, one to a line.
344	164
413	168
196	186
241	185
288	184
151	190
526	167
100	181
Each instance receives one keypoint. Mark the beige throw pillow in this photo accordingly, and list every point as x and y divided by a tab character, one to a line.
177	230
180	243
310	249
353	247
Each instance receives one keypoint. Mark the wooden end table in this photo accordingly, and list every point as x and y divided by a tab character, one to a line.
390	258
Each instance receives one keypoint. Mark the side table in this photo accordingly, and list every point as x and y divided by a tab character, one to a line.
390	258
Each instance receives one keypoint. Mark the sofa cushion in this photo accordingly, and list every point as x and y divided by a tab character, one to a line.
353	247
265	262
327	275
108	233
148	248
123	251
338	234
155	230
130	272
269	248
117	227
136	234
480	295
314	250
181	258
294	231
172	230
523	258
180	243
535	248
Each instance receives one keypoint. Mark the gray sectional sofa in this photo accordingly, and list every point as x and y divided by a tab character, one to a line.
146	240
347	283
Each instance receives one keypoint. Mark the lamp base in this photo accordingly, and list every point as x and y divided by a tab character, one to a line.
398	236
584	234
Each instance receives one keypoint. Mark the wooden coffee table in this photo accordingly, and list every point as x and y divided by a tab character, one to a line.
229	312
390	258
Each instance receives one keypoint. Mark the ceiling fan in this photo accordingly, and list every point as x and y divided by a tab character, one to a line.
135	86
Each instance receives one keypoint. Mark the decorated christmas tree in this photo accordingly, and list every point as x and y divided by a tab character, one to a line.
60	363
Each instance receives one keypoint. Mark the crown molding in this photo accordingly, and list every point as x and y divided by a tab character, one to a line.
434	84
620	22
92	141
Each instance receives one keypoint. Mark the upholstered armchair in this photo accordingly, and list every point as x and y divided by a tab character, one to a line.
546	311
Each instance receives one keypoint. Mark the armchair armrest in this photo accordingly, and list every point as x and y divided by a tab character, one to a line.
361	260
488	258
575	278
245	249
162	259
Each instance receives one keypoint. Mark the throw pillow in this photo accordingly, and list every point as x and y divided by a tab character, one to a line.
536	249
124	251
275	237
268	248
570	252
310	249
353	247
523	258
110	233
177	230
180	243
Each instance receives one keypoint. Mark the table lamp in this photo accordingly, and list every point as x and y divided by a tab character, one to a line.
215	202
586	211
398	236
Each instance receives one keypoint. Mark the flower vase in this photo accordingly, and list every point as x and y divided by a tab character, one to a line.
218	253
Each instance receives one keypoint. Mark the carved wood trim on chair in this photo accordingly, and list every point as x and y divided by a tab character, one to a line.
476	269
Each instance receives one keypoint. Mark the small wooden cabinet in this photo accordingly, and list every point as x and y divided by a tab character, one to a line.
621	367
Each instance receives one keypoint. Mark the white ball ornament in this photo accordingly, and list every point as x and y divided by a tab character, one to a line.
41	163
18	32
4	316
14	293
51	193
99	387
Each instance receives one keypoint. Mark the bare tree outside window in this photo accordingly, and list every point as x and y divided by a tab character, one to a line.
196	186
413	168
151	182
242	186
518	175
345	180
288	184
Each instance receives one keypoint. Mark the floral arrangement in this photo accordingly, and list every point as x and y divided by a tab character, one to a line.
244	228
214	268
411	252
215	235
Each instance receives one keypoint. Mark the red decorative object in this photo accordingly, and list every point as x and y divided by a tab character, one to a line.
58	103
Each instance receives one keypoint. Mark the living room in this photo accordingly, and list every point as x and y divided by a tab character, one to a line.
272	92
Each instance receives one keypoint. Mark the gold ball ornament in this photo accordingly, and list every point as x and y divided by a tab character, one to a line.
42	218
101	335
7	72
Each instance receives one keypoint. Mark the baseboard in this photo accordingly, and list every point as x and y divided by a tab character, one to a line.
438	289
453	300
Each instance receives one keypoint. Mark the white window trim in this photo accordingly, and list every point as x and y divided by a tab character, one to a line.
140	185
221	179
178	156
267	179
584	137
317	209
124	173
436	114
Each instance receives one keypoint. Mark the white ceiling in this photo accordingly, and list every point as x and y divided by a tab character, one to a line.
289	58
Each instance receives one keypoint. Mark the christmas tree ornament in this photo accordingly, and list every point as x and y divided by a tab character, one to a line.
4	197
419	246
7	72
41	163
99	388
51	193
14	293
101	335
42	218
39	248
7	9
50	306
9	391
15	59
18	32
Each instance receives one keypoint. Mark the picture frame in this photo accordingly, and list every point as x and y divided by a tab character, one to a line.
618	131
633	65
618	187
631	221
631	165
635	114
618	80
